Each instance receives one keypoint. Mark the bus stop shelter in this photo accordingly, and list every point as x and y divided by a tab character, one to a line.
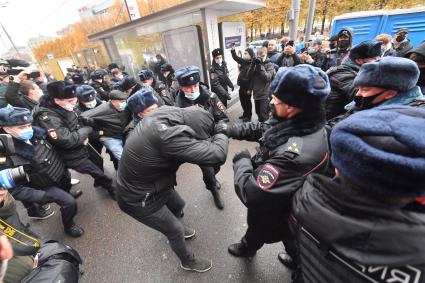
184	34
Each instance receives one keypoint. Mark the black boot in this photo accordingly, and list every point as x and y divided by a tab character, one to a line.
76	194
287	260
105	183
74	230
217	199
241	249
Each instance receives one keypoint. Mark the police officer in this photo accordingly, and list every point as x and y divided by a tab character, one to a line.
219	75
193	92
60	121
159	89
99	84
48	176
292	145
146	177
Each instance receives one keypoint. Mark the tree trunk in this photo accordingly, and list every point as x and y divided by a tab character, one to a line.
323	23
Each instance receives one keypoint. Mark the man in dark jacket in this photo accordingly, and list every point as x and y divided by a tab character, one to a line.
192	93
159	144
401	43
417	55
314	55
288	58
342	77
244	82
366	224
169	78
292	145
49	179
340	53
64	132
272	52
261	73
387	81
219	76
27	96
110	120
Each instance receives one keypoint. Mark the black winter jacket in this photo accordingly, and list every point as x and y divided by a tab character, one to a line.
403	48
262	74
342	88
107	119
102	90
219	76
64	132
156	148
207	100
244	81
359	238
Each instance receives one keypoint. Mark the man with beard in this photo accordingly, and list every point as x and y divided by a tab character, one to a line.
292	145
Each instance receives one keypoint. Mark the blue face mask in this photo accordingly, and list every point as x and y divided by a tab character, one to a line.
26	135
123	105
192	95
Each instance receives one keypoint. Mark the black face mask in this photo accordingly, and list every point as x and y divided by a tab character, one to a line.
366	102
421	80
400	38
343	44
273	111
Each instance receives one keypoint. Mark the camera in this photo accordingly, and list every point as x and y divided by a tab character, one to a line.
10	177
11	66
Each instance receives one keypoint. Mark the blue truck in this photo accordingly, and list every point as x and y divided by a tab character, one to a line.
368	24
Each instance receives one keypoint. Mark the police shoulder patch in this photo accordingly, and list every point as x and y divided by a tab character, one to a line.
220	106
267	176
52	133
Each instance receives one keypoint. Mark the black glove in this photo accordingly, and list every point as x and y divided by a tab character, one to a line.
228	97
242	154
85	131
257	60
220	128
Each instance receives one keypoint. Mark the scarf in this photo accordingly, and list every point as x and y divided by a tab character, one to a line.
308	122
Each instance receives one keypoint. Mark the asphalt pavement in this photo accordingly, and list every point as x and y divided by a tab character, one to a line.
116	248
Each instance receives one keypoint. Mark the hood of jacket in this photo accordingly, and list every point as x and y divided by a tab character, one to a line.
350	32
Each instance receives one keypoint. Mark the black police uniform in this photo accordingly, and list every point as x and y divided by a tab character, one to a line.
49	179
65	133
213	104
289	150
220	82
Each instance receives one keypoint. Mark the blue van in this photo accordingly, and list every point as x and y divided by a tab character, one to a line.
368	24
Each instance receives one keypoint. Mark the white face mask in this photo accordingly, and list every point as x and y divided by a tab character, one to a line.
219	61
192	95
91	104
68	107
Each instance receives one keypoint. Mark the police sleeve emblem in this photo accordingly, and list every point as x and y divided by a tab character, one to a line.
267	176
220	106
52	133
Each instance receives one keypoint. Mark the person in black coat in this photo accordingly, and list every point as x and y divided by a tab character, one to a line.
65	133
244	82
417	55
109	121
99	84
49	179
219	76
192	93
292	145
342	77
167	138
401	43
366	224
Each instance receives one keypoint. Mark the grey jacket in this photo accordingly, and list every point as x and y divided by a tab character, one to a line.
261	74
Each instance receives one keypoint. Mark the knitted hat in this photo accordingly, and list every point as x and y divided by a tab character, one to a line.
85	93
366	49
382	151
14	116
302	86
188	75
141	100
389	73
60	90
117	95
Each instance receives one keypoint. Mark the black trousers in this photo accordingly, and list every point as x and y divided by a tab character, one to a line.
67	203
86	166
262	109
245	99
208	175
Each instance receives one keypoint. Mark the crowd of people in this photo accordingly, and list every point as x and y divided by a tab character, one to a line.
338	176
